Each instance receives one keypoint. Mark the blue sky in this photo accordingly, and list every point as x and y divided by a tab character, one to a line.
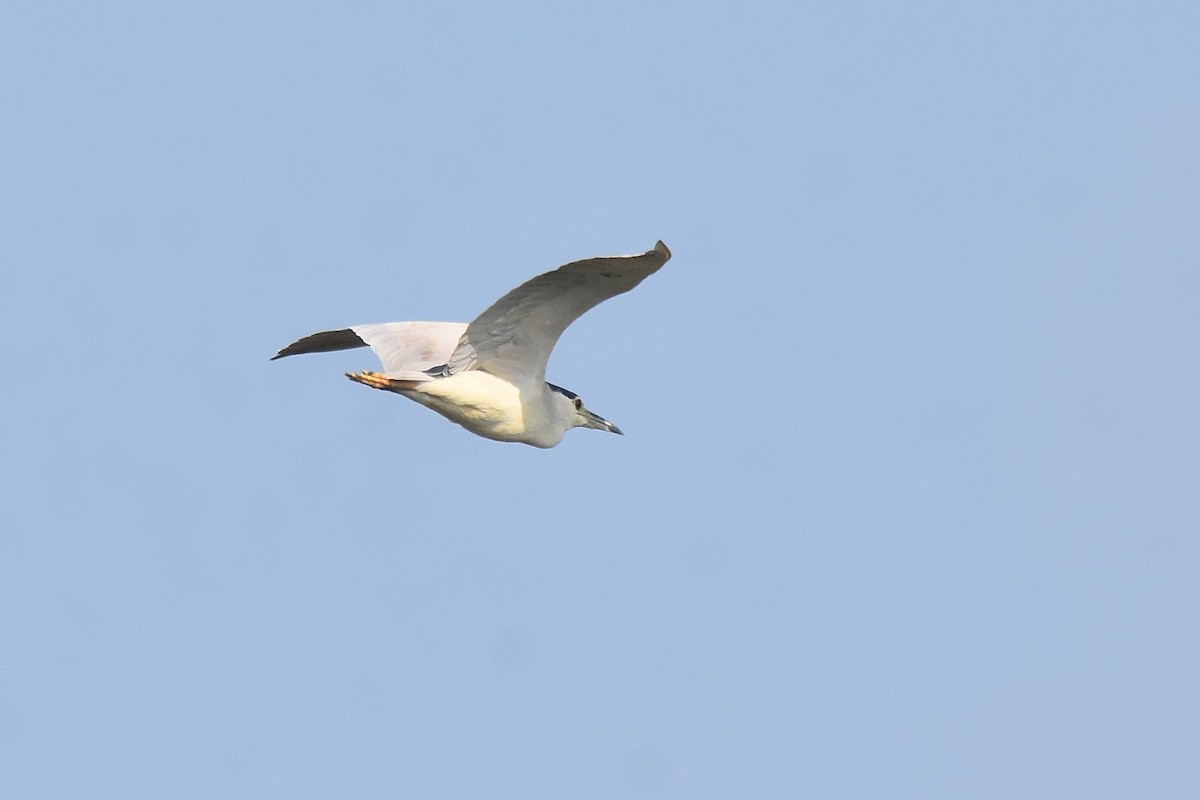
908	501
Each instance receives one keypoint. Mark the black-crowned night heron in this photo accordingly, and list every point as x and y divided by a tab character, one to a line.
489	376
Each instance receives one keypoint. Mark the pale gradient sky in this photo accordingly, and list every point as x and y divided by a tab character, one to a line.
909	500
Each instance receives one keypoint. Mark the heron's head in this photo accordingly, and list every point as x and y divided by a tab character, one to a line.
580	416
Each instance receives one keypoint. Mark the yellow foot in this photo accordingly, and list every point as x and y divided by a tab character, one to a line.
372	379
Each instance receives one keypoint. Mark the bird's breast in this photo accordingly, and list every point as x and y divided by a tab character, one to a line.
485	405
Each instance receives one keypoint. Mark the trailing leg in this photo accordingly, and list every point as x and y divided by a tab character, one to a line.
378	381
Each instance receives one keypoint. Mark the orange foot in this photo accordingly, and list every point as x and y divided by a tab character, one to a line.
372	379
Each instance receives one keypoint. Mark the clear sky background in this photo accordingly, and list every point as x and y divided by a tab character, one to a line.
909	500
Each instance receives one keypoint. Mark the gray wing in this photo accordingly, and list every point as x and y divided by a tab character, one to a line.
402	347
513	338
411	346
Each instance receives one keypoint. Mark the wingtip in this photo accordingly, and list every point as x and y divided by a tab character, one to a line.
662	250
323	342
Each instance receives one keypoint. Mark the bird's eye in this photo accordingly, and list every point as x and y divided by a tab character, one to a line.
578	404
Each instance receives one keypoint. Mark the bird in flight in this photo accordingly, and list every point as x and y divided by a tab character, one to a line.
489	376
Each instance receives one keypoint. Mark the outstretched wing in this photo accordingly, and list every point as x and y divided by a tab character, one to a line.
402	347
513	338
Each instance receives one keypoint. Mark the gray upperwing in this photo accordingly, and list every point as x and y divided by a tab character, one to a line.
514	336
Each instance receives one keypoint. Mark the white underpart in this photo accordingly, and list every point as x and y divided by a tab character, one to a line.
497	409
